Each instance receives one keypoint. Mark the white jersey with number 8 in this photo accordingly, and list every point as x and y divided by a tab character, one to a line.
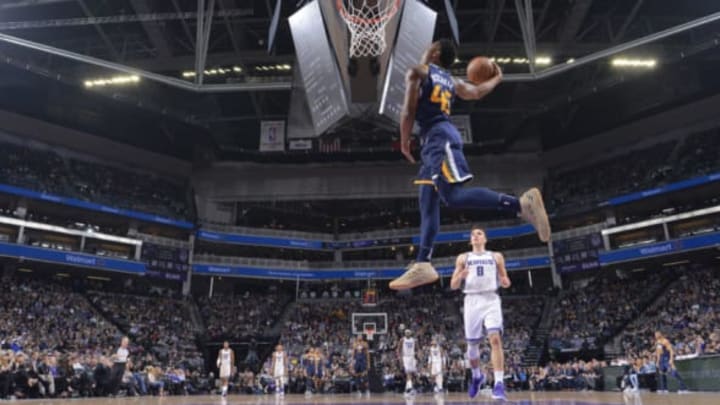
482	273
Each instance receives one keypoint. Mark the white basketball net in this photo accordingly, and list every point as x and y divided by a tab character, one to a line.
366	20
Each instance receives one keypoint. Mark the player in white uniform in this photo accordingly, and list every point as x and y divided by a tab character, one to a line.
279	369
406	351
226	364
436	361
481	270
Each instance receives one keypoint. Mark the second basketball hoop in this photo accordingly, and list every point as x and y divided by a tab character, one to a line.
366	21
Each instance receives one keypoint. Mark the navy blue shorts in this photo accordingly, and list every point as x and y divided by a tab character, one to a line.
360	368
442	156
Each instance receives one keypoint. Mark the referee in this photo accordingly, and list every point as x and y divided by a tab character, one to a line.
120	359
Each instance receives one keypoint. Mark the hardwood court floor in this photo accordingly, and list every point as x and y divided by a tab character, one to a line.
515	398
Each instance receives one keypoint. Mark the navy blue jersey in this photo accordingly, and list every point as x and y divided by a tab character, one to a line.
318	365
308	363
360	355
437	93
664	353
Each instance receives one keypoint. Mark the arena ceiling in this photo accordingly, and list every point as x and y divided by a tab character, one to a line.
161	37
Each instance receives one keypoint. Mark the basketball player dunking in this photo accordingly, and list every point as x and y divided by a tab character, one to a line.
665	357
406	351
430	91
226	364
279	368
361	362
481	270
436	361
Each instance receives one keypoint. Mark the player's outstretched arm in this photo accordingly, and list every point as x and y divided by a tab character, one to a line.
413	78
471	91
502	271
460	273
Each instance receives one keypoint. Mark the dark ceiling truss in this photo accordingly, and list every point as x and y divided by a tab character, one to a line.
9	5
173	39
101	32
618	36
123	19
526	18
184	24
157	37
574	21
202	41
524	8
235	39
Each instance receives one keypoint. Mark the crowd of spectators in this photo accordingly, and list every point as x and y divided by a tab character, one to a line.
520	318
638	170
587	315
36	169
697	156
688	313
54	343
159	325
634	171
575	375
40	316
46	171
235	316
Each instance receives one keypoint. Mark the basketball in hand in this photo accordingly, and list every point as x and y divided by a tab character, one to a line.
480	69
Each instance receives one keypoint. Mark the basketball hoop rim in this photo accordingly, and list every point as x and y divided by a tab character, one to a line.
359	20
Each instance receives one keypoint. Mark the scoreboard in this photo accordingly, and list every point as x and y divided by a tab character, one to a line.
578	253
170	263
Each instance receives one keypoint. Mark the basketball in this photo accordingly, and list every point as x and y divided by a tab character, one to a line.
480	69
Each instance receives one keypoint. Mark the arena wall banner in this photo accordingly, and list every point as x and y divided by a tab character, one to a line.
464	236
700	374
290	274
70	258
260	240
4	188
342	274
